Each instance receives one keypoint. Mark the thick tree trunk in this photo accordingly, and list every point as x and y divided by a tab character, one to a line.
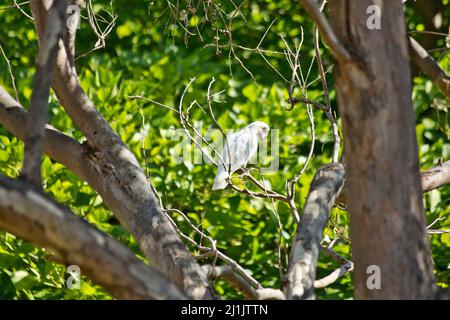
384	190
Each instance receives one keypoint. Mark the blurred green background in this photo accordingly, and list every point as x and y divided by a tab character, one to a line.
153	50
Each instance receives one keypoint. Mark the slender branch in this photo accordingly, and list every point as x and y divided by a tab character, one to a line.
436	177
329	111
261	186
35	217
332	277
48	47
429	66
211	251
334	255
227	145
228	274
11	75
432	178
318	105
438	231
18	6
96	29
70	36
346	266
297	78
325	187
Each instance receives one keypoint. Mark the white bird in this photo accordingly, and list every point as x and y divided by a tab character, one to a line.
243	145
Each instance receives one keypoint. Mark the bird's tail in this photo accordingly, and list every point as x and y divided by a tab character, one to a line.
220	182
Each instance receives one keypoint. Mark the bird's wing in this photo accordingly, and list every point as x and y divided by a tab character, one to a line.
243	145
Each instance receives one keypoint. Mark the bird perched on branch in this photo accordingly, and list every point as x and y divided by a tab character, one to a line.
243	145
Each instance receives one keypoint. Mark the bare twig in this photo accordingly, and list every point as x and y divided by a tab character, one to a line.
101	34
275	196
227	273
209	98
15	5
18	6
13	79
290	186
334	255
212	251
436	231
208	251
329	111
318	105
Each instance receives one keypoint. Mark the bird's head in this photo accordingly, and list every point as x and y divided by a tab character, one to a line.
260	128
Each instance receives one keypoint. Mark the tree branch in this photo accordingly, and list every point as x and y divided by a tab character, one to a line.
436	177
429	66
212	251
325	187
48	46
35	217
332	277
73	21
57	145
339	51
432	178
122	183
228	274
328	111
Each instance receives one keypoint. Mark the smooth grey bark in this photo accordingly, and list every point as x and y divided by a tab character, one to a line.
31	169
227	273
33	216
436	177
121	182
325	187
429	67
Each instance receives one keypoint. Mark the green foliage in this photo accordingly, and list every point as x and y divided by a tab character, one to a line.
153	51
